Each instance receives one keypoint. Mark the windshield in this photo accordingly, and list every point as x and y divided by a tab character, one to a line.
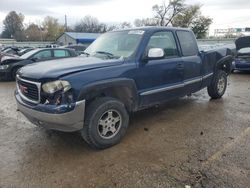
115	44
244	50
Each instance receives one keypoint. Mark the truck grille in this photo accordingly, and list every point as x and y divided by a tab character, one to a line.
28	90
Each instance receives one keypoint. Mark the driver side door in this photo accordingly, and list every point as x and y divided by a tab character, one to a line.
161	79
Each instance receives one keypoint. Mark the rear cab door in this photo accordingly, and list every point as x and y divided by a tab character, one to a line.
191	60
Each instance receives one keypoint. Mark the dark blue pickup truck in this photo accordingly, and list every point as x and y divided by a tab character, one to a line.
120	73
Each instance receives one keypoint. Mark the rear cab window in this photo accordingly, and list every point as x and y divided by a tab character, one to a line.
188	43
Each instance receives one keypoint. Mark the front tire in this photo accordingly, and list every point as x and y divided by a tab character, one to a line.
218	85
105	124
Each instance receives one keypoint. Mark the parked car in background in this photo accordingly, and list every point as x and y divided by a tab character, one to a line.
10	65
25	50
1	46
78	48
52	46
123	72
3	54
242	58
11	50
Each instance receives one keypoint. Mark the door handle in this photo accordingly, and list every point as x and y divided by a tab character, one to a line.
180	66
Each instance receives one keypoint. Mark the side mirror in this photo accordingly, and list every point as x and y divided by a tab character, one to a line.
155	53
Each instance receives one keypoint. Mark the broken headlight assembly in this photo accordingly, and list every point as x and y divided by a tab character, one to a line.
4	67
57	92
53	87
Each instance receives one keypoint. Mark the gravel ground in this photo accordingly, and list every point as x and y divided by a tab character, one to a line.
190	141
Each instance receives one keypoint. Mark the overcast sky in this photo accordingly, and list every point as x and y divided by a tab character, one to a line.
225	13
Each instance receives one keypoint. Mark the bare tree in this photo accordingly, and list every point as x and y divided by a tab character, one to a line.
52	27
146	22
111	27
125	25
166	12
34	33
178	14
90	24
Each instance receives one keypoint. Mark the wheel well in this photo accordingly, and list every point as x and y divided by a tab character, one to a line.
123	93
15	69
225	65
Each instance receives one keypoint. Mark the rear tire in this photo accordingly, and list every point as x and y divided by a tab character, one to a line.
218	85
106	122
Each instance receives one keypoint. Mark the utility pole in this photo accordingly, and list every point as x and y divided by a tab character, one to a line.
66	26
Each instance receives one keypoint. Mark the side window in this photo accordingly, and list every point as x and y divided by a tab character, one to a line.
164	40
45	54
61	53
188	43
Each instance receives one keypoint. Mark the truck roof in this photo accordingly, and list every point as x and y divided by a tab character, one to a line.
156	28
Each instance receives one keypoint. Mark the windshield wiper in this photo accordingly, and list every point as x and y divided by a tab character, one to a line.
110	55
85	53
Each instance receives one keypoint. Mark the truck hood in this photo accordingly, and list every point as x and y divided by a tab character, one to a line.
57	68
242	42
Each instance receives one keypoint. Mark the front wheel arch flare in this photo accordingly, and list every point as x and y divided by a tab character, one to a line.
225	64
122	89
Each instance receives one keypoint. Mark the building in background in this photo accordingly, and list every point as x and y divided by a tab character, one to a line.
232	32
73	38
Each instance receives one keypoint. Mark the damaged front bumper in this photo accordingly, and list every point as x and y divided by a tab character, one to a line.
62	118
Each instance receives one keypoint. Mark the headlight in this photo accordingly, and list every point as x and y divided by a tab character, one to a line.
4	67
59	85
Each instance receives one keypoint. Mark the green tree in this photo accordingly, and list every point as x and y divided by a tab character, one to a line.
192	18
52	27
186	18
13	26
200	26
